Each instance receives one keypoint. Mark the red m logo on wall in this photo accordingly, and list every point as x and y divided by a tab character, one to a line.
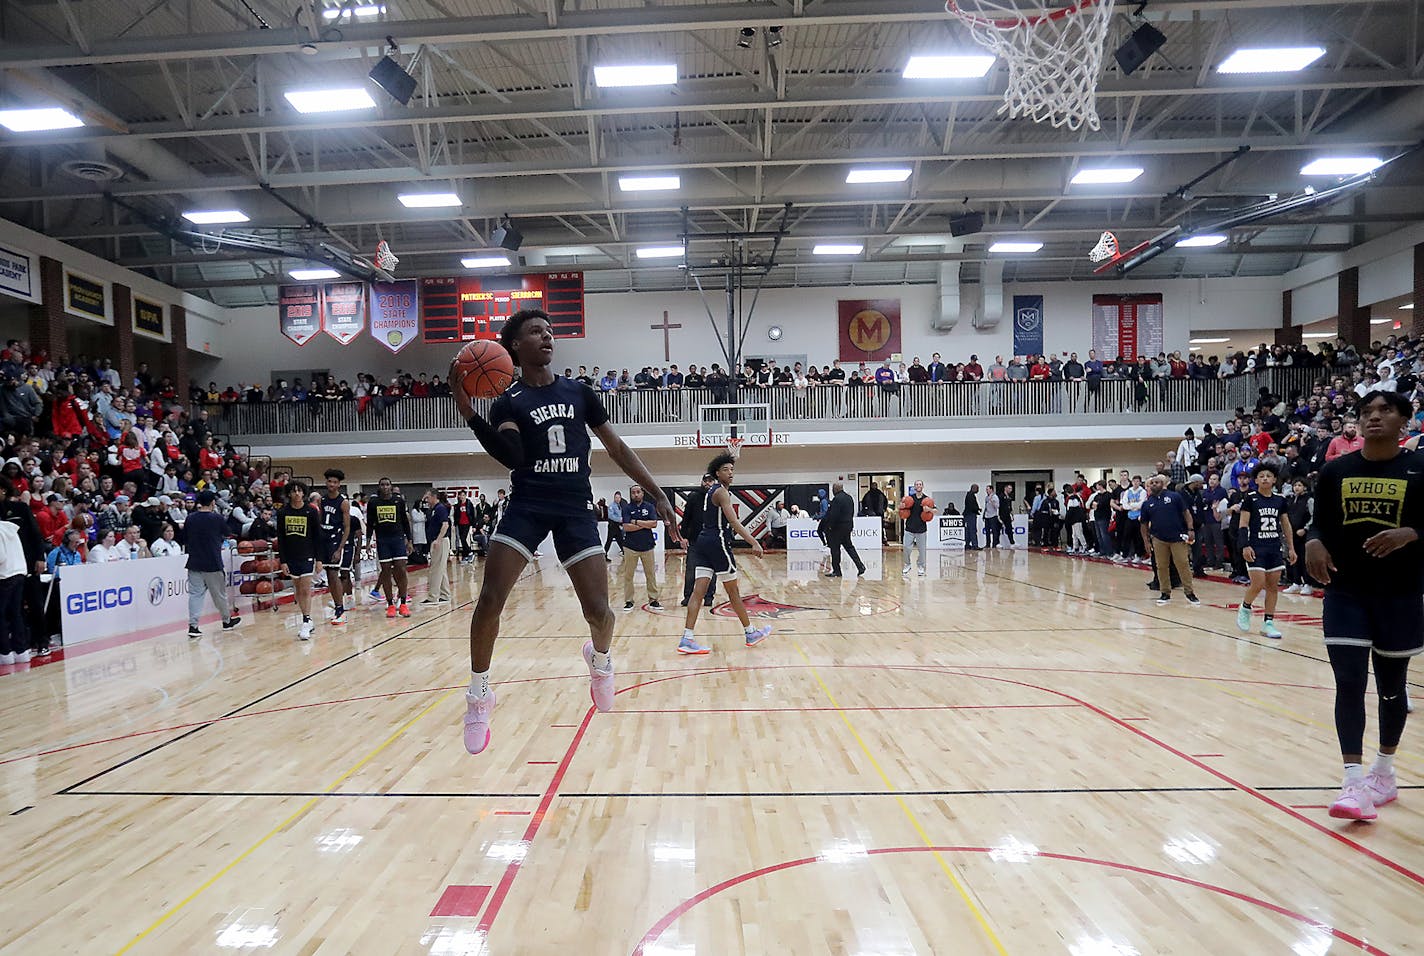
869	329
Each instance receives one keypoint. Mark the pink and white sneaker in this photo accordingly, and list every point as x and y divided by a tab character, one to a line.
600	683
1382	787
1354	803
477	721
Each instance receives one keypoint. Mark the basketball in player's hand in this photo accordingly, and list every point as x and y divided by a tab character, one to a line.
927	509
906	503
483	369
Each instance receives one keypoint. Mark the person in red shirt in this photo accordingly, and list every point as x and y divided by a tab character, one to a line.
1345	443
52	521
1177	366
1039	370
973	371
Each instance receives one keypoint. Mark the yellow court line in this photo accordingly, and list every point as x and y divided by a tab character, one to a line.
959	884
173	911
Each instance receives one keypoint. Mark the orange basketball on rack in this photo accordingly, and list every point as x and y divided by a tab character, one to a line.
249	547
264	566
247	587
248	567
484	369
261	587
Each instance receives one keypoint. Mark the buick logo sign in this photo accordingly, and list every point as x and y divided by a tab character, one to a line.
156	591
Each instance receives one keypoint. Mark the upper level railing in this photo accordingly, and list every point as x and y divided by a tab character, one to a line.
1114	398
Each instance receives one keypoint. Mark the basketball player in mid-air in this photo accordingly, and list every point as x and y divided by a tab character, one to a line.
711	554
538	429
340	547
1364	547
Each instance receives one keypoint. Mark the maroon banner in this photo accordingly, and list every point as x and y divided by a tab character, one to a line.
869	329
299	312
343	310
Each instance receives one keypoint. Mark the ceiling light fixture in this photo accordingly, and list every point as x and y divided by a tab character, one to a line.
1200	242
214	217
428	200
1011	246
1208	341
1319	335
1105	175
309	275
636	74
630	184
745	36
485	262
365	10
329	101
838	249
1341	166
659	252
891	174
1288	59
1409	305
1380	321
950	67
38	120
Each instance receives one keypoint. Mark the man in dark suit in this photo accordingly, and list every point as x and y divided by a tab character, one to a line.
837	526
971	519
690	527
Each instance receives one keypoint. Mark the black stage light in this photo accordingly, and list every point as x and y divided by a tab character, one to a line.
745	36
1145	41
389	76
773	36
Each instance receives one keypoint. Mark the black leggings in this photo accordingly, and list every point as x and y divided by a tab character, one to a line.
1352	673
14	636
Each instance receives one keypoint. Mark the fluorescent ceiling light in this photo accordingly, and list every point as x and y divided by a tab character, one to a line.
1409	306
647	74
1287	59
631	184
428	200
329	101
1341	166
1016	247
659	252
307	275
1194	348
893	174
1200	242
37	120
365	10
1208	341
214	217
485	262
1319	335
1380	321
947	67
838	249
1107	174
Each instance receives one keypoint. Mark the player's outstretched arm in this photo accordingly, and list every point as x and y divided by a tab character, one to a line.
503	443
724	501
628	460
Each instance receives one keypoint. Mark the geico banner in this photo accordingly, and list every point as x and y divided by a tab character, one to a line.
949	533
104	600
801	534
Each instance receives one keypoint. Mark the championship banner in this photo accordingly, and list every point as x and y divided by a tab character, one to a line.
17	275
395	313
1028	325
298	312
869	329
1127	325
343	310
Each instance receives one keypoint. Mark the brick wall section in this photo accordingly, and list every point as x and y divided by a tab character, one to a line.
177	363
1353	322
1287	334
122	341
47	328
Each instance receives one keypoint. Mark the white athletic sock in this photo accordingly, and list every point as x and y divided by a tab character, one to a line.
1384	763
749	628
687	634
479	684
1354	773
603	661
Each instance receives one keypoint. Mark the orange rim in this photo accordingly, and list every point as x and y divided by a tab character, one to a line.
1008	24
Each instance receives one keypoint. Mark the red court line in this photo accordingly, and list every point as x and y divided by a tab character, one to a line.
663	924
512	813
460	901
543	763
812	710
512	870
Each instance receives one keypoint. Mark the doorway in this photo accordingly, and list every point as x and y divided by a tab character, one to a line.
1023	485
892	483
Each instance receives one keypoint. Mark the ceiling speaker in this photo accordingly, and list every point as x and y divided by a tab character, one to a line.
507	237
389	76
967	224
1145	41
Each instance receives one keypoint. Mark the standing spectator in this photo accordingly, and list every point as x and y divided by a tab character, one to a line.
1211	506
873	503
1344	443
779	517
1167	522
14	636
690	527
1006	512
206	532
19	515
912	510
1075	520
437	536
838	526
1300	510
971	519
464	522
1129	523
1184	459
640	520
992	524
615	525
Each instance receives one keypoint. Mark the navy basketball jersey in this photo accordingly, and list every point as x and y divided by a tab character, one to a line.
331	516
553	422
1264	521
714	521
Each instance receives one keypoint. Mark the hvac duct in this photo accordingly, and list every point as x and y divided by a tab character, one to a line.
947	316
991	282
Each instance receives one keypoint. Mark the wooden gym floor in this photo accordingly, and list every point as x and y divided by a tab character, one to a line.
1016	754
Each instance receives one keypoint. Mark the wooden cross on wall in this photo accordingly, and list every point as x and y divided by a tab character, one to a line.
666	327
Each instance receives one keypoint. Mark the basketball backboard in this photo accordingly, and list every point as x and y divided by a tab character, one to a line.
750	424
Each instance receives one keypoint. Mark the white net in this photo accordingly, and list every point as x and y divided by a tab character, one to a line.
1105	249
1054	55
734	446
385	258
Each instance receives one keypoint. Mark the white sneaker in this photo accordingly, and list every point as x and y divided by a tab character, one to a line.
23	657
308	628
1293	589
1383	787
7	658
905	571
922	572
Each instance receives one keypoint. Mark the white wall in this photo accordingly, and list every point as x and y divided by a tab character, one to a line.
618	330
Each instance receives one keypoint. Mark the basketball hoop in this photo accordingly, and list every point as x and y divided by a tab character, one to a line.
1105	249
385	259
1054	56
734	446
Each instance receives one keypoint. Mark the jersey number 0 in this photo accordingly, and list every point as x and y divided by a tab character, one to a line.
557	445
